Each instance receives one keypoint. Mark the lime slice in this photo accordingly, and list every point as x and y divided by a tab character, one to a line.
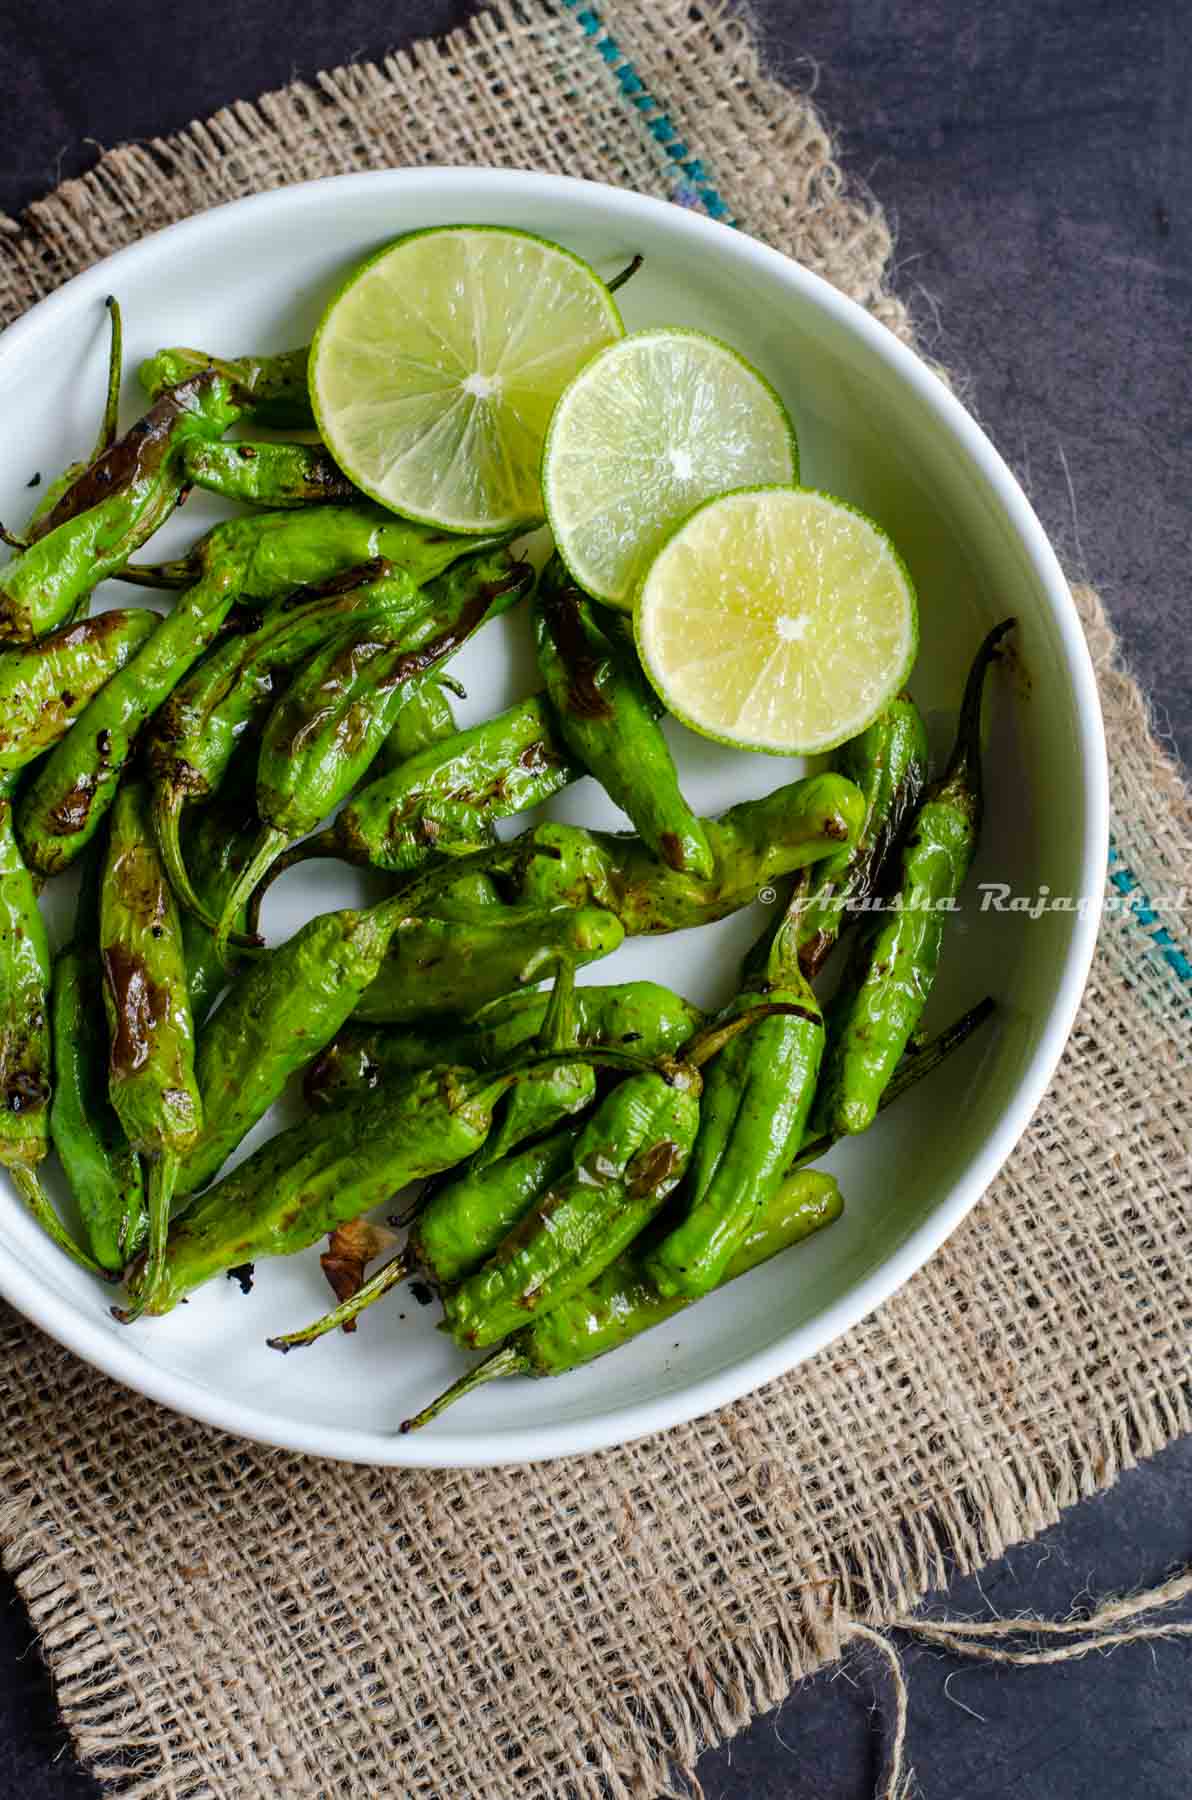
777	619
648	429
434	371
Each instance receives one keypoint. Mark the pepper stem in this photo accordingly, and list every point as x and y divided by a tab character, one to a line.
711	1040
373	1289
167	820
163	1178
911	1071
29	1187
506	1359
627	274
964	764
181	574
269	846
110	422
323	843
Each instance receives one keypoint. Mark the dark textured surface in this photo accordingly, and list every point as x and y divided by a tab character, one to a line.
1037	159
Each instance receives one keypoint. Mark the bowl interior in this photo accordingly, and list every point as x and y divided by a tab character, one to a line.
873	428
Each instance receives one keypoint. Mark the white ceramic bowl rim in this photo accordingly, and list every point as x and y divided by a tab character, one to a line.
441	1448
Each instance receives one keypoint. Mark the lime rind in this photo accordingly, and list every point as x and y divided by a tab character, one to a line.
441	417
630	452
839	669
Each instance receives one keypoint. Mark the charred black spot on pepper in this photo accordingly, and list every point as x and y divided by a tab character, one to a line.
584	670
140	1005
103	742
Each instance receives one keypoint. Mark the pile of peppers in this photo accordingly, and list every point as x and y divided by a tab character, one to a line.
591	1159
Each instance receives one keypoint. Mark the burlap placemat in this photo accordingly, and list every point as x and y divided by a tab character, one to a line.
224	1620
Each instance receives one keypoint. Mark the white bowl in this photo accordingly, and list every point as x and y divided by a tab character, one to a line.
875	426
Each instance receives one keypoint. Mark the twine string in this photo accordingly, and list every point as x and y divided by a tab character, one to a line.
986	1640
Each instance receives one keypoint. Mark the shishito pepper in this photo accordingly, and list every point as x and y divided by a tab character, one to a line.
559	867
194	734
113	507
893	967
103	1169
753	844
640	1016
623	1302
628	1158
25	1048
151	1073
464	1221
279	1014
44	688
268	474
756	1104
888	763
454	957
443	799
333	718
607	720
320	1174
251	559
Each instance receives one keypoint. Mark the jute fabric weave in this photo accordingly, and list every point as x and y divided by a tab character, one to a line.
226	1621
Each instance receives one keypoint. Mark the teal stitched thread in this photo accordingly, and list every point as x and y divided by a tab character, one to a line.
1126	882
696	190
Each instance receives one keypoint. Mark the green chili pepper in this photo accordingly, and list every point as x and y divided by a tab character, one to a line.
108	513
892	969
460	1225
271	390
640	1016
627	1159
44	688
629	1156
444	1242
330	723
230	692
452	964
25	1053
753	845
63	807
756	1104
255	559
38	521
443	800
607	721
425	719
281	1012
549	1093
623	1302
268	474
888	762
101	1166
151	1075
217	843
323	1173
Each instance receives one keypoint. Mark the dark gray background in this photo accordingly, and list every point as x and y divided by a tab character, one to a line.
1036	158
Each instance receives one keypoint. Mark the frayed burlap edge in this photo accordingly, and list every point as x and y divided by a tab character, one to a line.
774	171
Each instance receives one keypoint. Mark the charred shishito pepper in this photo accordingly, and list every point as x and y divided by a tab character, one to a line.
151	1074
